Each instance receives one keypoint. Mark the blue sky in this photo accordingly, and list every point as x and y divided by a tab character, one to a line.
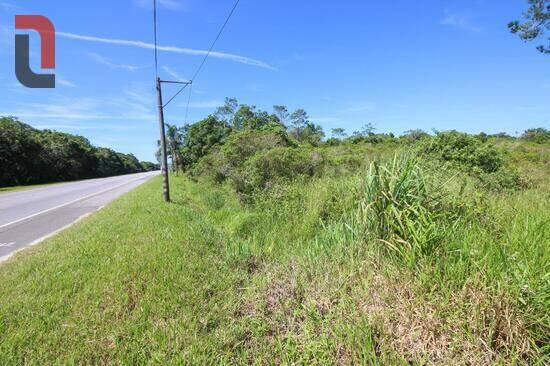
401	64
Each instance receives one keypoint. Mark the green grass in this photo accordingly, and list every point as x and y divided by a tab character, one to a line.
332	270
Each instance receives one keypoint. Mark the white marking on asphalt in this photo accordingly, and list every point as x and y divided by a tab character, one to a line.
7	244
47	236
67	204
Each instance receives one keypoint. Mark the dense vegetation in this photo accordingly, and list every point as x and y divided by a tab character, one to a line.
282	247
28	156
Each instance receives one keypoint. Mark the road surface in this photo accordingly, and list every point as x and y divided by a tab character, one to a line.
29	216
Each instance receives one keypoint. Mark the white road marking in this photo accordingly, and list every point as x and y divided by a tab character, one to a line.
67	204
7	244
47	236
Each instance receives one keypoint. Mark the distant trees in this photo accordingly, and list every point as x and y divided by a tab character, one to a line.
338	132
227	111
414	135
537	21
538	135
367	130
282	113
28	155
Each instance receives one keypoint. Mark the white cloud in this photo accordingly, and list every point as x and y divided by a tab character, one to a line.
459	21
7	6
107	62
64	82
86	109
173	74
187	51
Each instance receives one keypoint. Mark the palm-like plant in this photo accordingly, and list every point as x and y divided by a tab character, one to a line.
175	137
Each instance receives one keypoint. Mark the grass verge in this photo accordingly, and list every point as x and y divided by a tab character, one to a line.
305	276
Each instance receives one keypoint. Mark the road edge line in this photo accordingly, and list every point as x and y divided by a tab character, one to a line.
30	217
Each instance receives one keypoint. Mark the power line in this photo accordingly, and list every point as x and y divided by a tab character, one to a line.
216	40
156	46
175	95
188	101
209	50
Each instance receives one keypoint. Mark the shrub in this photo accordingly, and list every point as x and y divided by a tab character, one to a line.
236	150
537	135
464	150
276	165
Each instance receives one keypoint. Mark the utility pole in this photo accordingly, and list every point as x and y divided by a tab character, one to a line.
164	157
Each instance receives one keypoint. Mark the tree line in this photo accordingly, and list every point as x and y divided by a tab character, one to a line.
186	145
29	155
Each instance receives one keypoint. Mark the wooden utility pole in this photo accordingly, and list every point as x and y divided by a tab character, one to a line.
164	157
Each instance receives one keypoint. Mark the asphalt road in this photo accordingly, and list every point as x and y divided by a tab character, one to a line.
29	216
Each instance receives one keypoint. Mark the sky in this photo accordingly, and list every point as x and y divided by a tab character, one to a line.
400	65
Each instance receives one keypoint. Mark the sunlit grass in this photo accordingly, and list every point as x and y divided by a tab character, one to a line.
333	270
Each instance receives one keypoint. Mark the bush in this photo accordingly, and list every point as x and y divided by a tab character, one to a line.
276	165
464	150
537	135
236	150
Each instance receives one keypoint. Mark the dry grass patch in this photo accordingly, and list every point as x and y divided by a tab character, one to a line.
474	326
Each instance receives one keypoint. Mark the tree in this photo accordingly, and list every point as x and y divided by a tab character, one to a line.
338	132
227	112
201	137
299	120
28	155
539	135
313	133
414	135
537	20
174	140
282	113
367	130
243	116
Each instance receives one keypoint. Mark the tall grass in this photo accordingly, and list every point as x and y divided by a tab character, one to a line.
401	210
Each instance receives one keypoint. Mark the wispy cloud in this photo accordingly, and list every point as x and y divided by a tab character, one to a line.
107	62
168	4
127	108
173	74
7	6
64	82
459	21
187	51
